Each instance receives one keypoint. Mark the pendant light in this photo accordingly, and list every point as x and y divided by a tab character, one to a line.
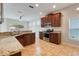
1	12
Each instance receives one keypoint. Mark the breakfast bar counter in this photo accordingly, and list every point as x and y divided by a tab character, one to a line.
12	45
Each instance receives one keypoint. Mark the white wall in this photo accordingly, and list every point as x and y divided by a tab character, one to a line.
5	26
67	13
35	25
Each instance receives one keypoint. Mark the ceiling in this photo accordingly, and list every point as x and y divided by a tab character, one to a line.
15	10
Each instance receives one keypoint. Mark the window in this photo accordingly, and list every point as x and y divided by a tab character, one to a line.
74	28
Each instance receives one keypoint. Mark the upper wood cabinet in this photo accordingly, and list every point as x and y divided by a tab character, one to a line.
56	20
49	18
53	19
43	21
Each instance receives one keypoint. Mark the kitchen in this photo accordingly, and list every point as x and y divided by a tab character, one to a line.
26	27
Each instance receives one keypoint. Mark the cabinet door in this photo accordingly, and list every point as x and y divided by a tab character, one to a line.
56	20
41	35
52	20
20	39
43	21
49	18
27	39
55	38
33	38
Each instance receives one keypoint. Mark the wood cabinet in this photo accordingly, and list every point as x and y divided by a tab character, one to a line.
41	35
26	39
33	38
29	39
49	17
53	19
43	21
20	39
16	54
55	37
56	20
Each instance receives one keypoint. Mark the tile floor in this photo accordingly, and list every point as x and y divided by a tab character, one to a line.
43	48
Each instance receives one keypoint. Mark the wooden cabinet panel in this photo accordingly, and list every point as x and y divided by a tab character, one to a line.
44	21
20	39
26	39
55	38
33	38
49	18
29	38
16	54
54	19
41	35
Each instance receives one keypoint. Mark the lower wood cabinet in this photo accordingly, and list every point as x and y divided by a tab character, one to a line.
55	38
16	54
26	39
41	35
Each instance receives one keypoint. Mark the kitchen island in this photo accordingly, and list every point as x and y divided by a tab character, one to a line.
13	45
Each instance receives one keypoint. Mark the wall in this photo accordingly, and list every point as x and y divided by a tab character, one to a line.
11	22
35	26
67	13
5	26
0	20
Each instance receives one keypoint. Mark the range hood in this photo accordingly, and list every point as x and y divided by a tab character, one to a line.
1	13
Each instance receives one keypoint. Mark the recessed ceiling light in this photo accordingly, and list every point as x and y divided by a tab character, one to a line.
37	5
40	13
54	6
77	8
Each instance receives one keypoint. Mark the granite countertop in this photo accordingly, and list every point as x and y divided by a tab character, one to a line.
5	36
8	53
9	45
52	32
55	32
23	33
